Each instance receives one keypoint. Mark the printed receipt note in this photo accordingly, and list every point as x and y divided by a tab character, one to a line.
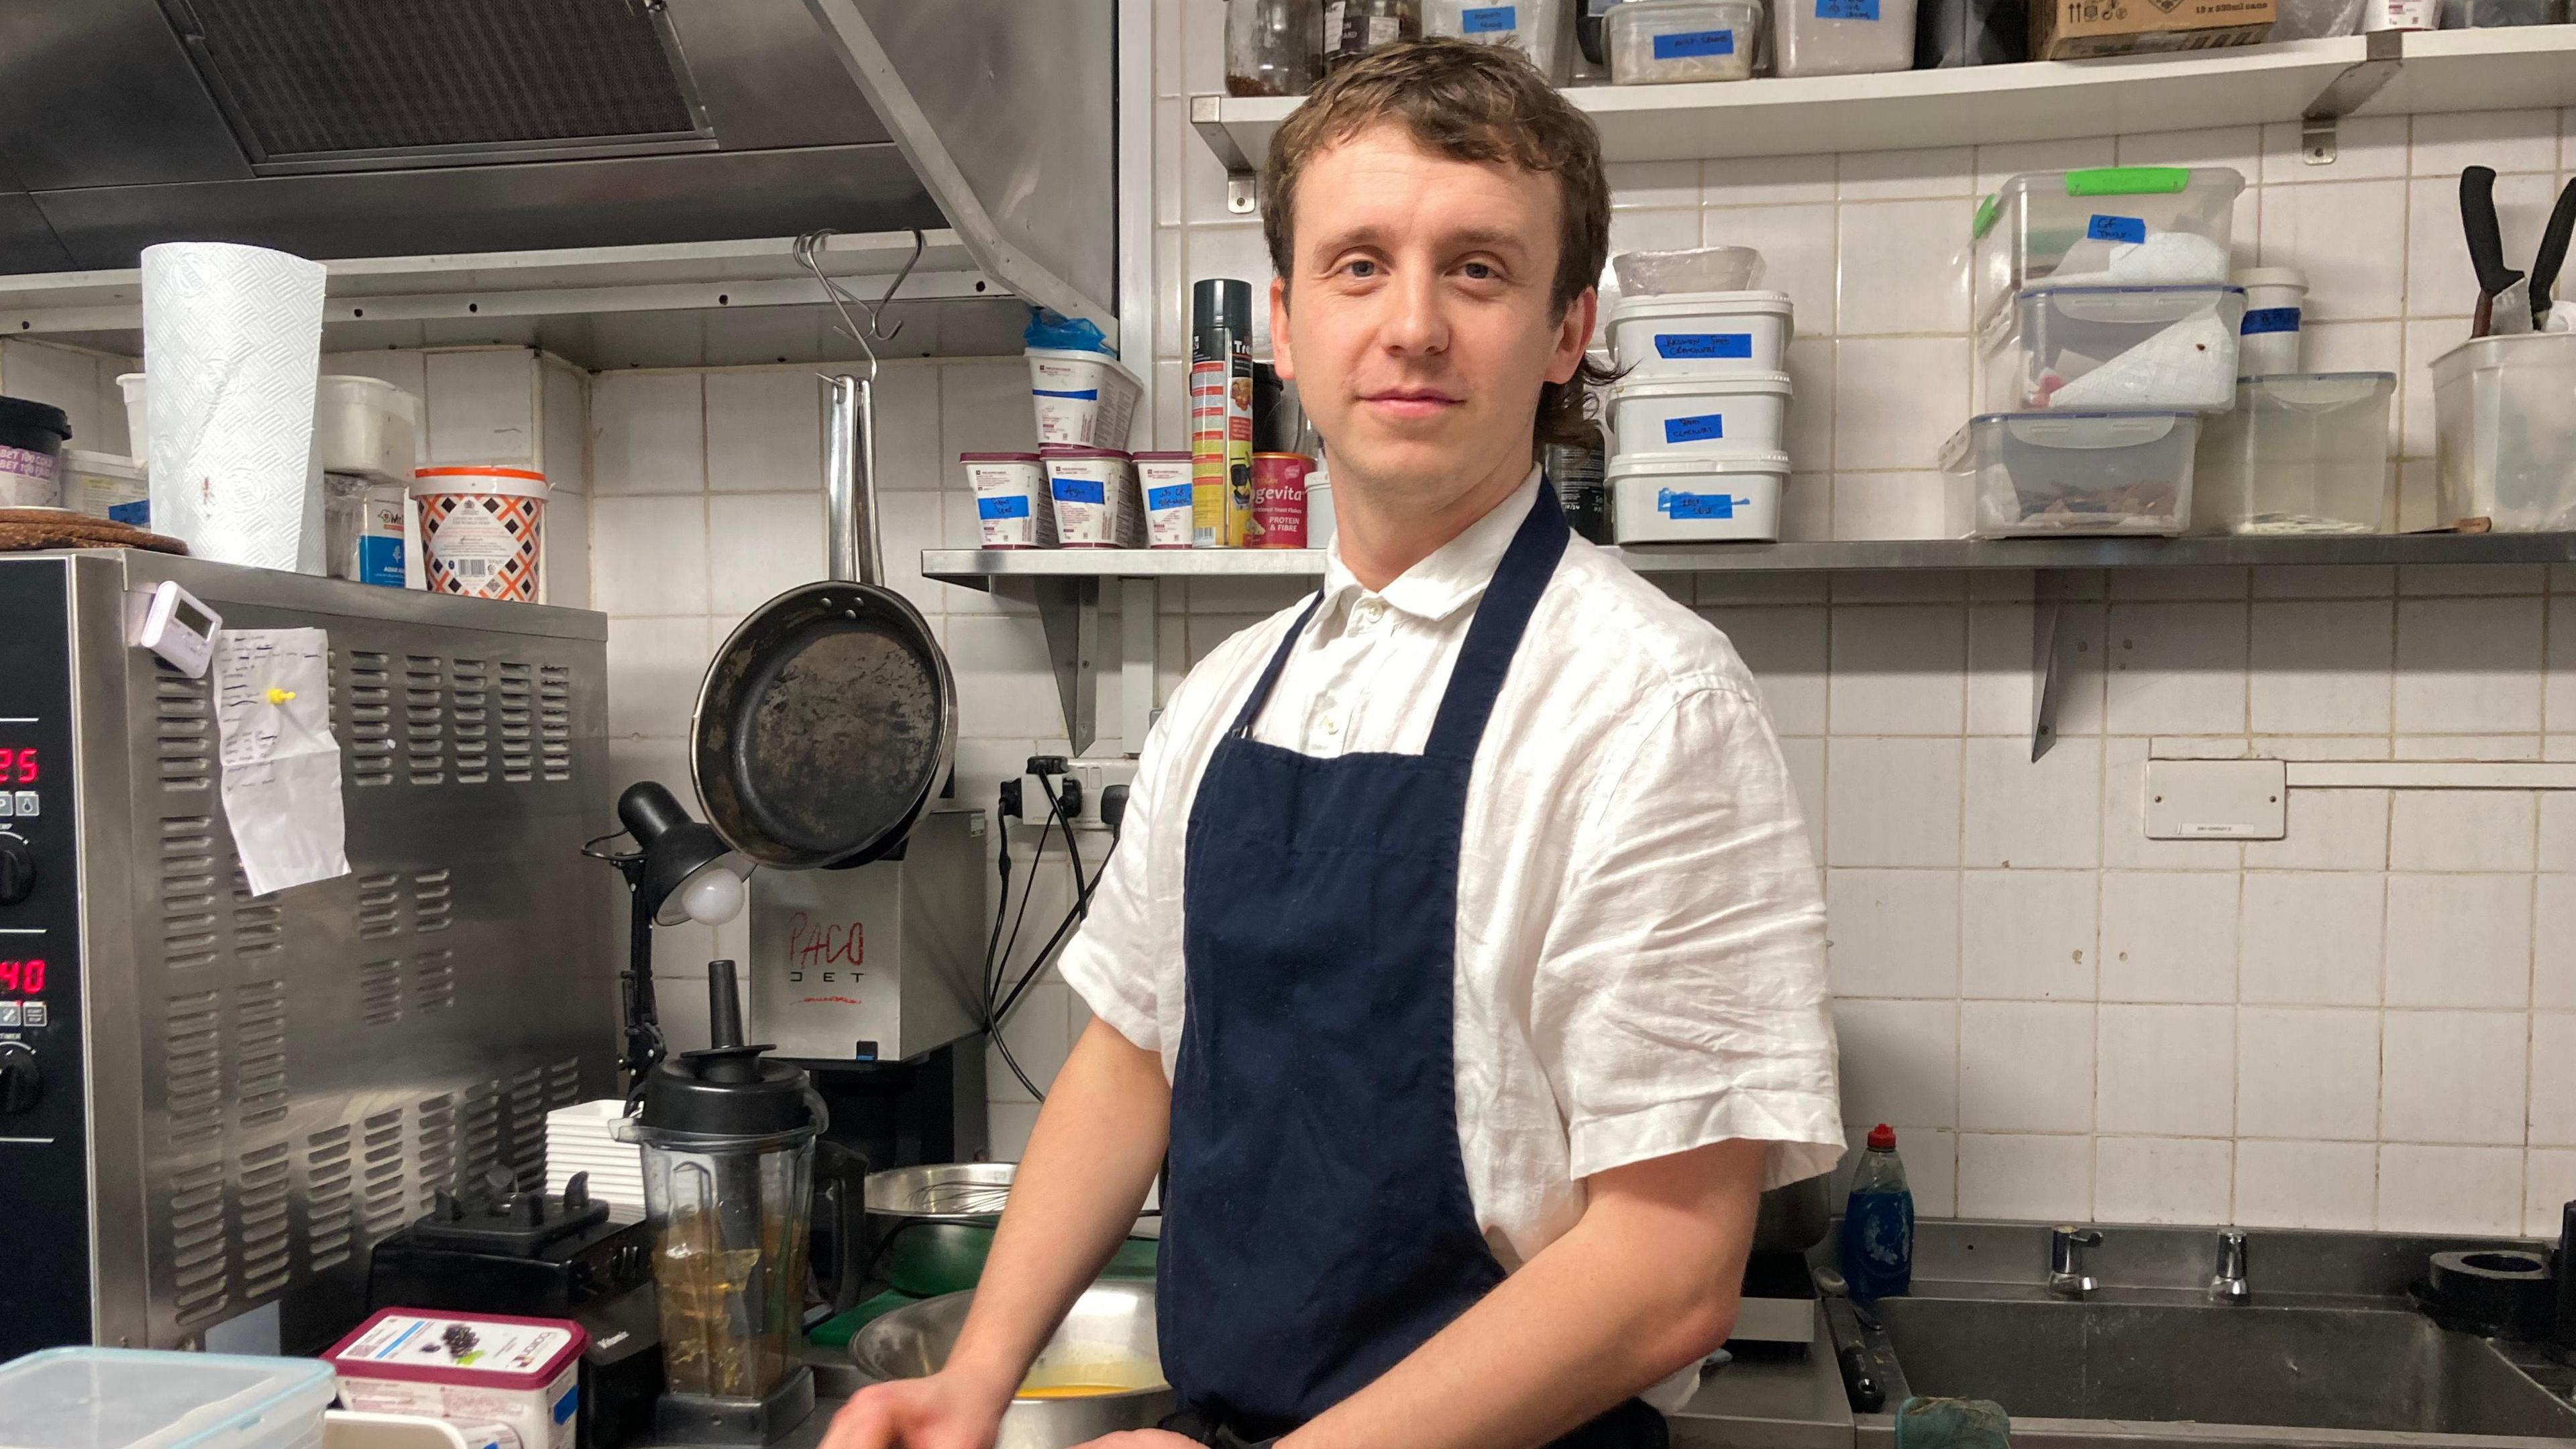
281	763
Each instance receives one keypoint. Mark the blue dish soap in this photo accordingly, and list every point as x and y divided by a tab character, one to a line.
1878	1222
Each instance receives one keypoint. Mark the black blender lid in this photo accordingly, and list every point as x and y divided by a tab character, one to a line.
729	1089
19	412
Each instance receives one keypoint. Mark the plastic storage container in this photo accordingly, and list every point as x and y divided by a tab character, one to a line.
1701	332
1676	498
368	427
1723	412
1273	47
104	485
1692	269
2267	341
2100	348
2301	453
1083	399
481	530
1095	498
1970	32
469	1369
1164	478
2504	432
1652	42
2045	475
2108	226
118	1398
1012	506
2315	19
1843	37
1535	28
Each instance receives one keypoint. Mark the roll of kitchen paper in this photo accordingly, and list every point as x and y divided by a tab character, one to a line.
232	345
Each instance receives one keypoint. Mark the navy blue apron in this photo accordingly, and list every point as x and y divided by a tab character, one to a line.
1317	1226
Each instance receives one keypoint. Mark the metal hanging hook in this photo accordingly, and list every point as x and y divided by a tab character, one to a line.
807	252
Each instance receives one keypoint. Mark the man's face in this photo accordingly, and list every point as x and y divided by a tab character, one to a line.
1417	322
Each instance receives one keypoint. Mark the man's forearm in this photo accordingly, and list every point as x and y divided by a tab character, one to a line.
1098	1143
1644	1285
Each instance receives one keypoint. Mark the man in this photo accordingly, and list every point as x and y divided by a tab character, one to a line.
1464	949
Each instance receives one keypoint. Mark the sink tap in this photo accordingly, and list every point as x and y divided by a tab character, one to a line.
2227	1284
2066	1275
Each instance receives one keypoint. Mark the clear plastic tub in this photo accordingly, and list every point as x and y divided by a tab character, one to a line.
366	426
2504	432
2315	19
2128	226
1843	37
2098	348
2048	475
1732	412
1970	32
1701	332
1674	498
1535	28
1654	42
1694	269
2301	453
118	1398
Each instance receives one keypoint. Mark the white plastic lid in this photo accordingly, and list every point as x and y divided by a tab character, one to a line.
2253	277
1695	465
117	1398
109	465
1719	384
2318	389
2081	429
1700	304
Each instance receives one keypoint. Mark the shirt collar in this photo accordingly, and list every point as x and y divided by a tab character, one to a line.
1451	576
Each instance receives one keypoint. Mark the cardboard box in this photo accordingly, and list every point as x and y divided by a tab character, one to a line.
2078	29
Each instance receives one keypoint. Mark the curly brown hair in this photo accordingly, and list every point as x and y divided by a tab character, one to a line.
1468	102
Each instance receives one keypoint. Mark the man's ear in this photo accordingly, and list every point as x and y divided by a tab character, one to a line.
1573	334
1282	358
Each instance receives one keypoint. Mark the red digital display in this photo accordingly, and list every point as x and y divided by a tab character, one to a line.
17	767
22	978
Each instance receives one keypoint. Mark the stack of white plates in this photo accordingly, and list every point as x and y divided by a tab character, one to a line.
578	1140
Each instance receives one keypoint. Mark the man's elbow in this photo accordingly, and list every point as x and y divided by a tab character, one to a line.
1698	1329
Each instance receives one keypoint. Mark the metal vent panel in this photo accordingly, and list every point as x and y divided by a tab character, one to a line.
183	731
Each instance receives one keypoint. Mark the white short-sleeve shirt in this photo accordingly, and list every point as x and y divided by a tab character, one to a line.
1641	939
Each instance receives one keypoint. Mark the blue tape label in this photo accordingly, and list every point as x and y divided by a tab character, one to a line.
1088	394
138	513
1704	344
380	561
2131	229
1486	19
1687	44
1695	430
1080	490
1005	506
1694	505
2270	319
1170	495
1846	9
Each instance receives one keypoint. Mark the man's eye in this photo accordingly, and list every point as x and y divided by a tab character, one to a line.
1360	267
1479	271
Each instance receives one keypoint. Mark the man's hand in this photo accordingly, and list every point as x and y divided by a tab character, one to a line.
937	1412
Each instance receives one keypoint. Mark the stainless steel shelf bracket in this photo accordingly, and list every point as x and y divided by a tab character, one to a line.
2345	94
1242	177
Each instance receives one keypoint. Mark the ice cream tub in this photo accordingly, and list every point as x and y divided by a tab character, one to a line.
1011	499
1083	399
479	530
467	1368
1164	478
1094	491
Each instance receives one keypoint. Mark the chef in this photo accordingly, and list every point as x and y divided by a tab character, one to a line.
1464	952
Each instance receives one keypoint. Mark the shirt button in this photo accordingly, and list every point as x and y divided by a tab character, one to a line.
1367	613
1331	727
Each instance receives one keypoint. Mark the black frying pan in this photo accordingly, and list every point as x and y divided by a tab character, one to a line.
827	720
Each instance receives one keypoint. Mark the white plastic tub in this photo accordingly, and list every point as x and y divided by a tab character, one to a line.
1736	412
1655	42
2108	226
2300	453
1083	399
138	415
1690	269
1164	479
2098	348
366	426
1535	28
1011	500
1843	37
1701	332
2267	341
1677	498
2048	475
2504	432
118	1398
1094	490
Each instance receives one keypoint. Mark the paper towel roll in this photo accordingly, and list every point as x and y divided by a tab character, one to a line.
232	343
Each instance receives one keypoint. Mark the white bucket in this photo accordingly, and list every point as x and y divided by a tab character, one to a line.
367	426
1083	399
1678	498
1095	498
1701	332
1740	412
481	530
1011	499
1164	478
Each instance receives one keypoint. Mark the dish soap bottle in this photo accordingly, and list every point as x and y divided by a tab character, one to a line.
1878	1222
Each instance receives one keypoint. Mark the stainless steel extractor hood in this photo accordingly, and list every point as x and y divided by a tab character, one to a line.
357	128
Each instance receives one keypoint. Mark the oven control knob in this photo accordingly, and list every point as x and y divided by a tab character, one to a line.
17	870
22	1082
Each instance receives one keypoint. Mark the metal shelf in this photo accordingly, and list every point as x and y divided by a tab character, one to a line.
977	568
2313	80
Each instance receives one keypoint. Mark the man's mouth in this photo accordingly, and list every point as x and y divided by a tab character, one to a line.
1411	402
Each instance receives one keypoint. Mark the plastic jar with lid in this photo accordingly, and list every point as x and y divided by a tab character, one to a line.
1843	37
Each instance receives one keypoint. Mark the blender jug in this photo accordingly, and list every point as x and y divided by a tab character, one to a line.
728	1141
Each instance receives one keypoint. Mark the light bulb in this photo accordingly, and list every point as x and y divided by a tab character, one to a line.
713	896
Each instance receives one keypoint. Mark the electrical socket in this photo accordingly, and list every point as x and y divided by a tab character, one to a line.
1092	776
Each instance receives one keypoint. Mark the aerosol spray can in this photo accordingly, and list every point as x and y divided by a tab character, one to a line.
1220	412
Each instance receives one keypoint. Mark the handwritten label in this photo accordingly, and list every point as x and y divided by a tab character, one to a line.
1691	44
1846	9
1487	19
1080	490
1013	506
1698	429
1173	495
2270	319
815	944
2129	229
1694	505
1704	344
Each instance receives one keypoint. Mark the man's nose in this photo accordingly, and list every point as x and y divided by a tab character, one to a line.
1415	323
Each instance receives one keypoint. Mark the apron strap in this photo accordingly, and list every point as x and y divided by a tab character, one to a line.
1261	687
1495	635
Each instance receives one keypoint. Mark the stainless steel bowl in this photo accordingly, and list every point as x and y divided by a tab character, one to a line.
945	1192
1107	1338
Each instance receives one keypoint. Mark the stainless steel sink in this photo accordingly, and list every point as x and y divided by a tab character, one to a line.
2328	1352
